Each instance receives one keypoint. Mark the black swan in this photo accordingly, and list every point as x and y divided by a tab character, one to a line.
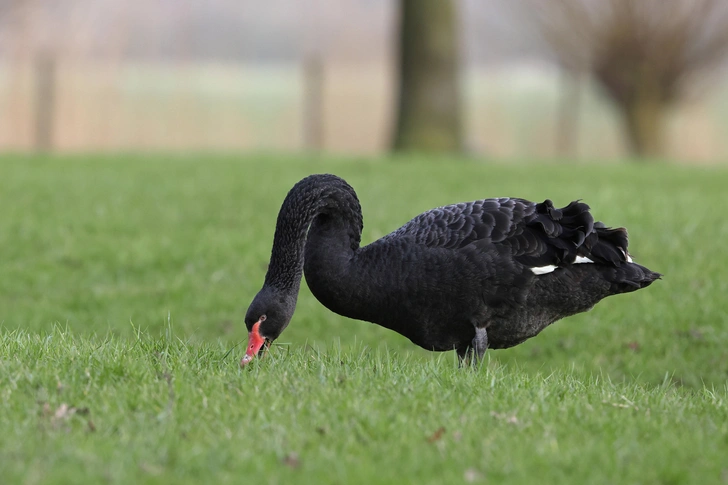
466	277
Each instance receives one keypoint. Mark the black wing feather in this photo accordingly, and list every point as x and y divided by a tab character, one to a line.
538	234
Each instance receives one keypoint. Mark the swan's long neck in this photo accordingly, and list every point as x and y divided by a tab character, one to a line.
324	200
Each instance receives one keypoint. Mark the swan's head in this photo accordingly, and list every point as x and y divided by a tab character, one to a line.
266	318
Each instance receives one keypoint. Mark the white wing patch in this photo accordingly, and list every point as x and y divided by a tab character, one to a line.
579	260
543	269
550	268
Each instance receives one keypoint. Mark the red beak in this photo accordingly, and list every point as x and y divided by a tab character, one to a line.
255	342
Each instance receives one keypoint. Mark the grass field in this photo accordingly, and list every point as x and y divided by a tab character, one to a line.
123	281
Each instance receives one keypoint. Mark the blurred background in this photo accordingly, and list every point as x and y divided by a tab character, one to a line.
576	79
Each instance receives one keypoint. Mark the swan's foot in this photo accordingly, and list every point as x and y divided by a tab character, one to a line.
473	354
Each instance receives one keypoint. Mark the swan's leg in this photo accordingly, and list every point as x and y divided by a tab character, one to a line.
480	344
464	356
473	354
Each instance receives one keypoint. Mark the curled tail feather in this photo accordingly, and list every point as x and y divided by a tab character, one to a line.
607	245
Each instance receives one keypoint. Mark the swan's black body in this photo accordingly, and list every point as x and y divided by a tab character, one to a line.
484	274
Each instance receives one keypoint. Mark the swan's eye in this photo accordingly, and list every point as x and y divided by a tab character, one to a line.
262	318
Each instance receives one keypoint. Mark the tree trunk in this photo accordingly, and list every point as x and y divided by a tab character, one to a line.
644	123
642	102
428	117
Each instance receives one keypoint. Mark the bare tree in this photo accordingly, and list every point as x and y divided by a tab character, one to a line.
428	116
643	53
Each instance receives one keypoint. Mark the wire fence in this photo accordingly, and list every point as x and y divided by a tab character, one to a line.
511	111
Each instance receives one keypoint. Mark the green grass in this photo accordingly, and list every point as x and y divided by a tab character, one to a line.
123	281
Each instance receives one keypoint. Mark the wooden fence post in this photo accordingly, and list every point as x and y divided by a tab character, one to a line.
567	125
313	103
45	99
